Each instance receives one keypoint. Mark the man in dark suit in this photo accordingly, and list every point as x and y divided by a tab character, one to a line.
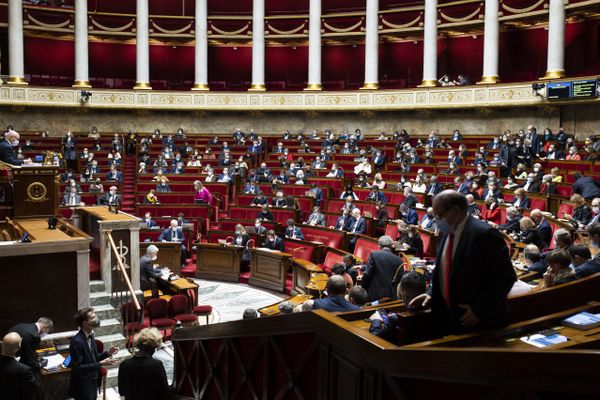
465	186
16	379
317	193
7	155
586	186
343	221
534	261
335	301
357	226
316	218
379	160
376	195
31	338
148	221
582	262
410	200
292	231
434	186
111	198
174	233
86	361
147	270
512	221
542	225
273	242
71	199
114	174
380	271
408	215
473	273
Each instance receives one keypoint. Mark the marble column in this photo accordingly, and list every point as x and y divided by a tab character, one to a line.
16	68
81	45
490	43
372	46
556	40
314	46
430	45
201	47
258	46
142	46
83	279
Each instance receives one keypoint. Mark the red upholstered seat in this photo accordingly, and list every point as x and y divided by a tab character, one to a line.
178	309
202	309
186	318
157	312
162	322
133	327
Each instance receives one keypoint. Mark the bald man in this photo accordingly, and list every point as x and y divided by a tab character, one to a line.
7	154
473	273
335	300
16	379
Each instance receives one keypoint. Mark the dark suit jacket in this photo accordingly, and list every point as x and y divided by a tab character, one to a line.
295	232
276	245
147	271
525	203
545	231
411	218
149	224
343	223
539	266
481	277
85	367
16	380
119	178
587	187
583	214
104	199
31	342
317	219
7	154
379	273
143	378
533	236
167	235
511	226
357	226
410	200
436	187
67	199
588	268
333	304
377	196
265	216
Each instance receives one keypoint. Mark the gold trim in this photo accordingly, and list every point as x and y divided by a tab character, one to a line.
82	84
554	74
370	86
200	86
426	83
260	87
489	80
313	86
17	80
142	86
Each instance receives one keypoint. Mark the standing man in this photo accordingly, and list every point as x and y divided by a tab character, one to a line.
380	271
86	362
31	335
473	273
16	379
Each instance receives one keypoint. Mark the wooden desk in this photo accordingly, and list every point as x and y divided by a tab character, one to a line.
268	269
216	261
305	272
273	309
55	384
181	286
169	254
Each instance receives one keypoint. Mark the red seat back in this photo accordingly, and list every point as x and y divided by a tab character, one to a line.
299	250
178	304
364	247
540	204
157	308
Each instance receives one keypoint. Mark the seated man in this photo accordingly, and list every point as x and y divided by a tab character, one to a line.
534	260
292	231
114	174
583	263
264	214
335	301
408	215
357	225
358	296
343	221
512	221
175	234
112	198
72	199
316	218
147	271
559	269
273	242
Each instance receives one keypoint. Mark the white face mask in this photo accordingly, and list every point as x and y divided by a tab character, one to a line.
15	143
596	210
154	257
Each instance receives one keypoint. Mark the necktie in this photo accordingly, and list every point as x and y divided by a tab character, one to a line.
354	227
448	267
111	200
72	200
148	224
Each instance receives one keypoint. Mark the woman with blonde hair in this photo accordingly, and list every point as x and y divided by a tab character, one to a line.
378	181
582	213
141	376
530	234
556	176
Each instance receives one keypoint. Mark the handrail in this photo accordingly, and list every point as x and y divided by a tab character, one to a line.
123	271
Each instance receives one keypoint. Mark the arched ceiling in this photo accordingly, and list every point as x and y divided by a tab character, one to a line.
237	7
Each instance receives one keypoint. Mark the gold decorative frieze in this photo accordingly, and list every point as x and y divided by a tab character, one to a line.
418	98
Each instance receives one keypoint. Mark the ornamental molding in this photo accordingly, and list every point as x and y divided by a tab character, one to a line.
476	96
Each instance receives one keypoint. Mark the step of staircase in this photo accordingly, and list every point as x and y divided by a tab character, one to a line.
99	298
106	311
97	286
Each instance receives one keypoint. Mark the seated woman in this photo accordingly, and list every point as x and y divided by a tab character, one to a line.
530	234
163	186
492	212
520	199
559	270
151	198
340	269
240	237
556	176
419	186
410	241
582	213
378	181
202	194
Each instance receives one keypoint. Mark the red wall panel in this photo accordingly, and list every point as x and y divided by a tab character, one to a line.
344	63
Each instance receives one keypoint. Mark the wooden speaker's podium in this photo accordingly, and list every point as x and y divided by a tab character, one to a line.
35	189
268	268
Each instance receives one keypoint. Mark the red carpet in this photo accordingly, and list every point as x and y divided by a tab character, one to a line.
94	266
128	194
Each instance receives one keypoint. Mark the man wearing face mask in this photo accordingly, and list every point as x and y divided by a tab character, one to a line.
473	273
7	155
147	270
32	335
86	361
595	212
273	242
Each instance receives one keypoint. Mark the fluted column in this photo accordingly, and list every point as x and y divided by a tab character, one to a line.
142	46
258	45
556	40
314	46
82	79
201	48
490	43
430	45
372	46
16	68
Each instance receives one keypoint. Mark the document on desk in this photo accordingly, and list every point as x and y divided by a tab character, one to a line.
54	361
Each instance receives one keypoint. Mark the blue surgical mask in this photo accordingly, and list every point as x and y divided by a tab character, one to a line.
444	226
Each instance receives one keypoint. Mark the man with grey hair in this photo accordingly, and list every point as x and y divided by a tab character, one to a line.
563	239
7	154
595	212
32	337
147	270
381	268
175	234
